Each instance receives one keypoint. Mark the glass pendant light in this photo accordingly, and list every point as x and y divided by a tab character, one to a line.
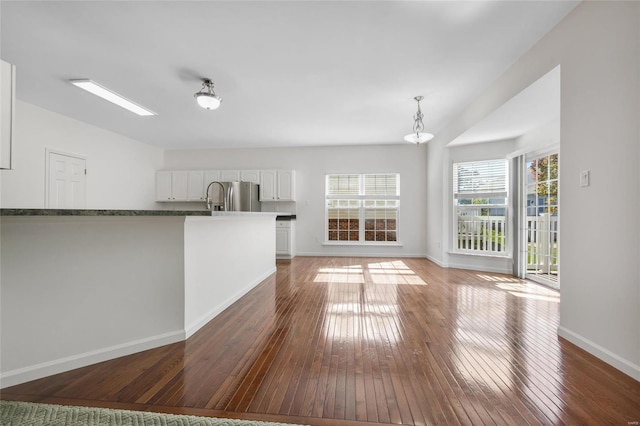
418	136
206	97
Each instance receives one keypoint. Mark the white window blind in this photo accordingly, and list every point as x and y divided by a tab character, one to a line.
363	186
343	185
381	184
479	179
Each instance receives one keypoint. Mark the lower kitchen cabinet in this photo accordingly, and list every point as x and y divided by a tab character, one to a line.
285	239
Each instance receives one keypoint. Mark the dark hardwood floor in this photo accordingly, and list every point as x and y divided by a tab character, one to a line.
340	341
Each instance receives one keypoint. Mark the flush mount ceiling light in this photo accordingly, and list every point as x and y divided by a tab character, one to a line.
111	96
418	136
206	97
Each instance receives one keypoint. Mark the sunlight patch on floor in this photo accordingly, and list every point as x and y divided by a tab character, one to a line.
392	272
536	296
498	278
352	274
531	291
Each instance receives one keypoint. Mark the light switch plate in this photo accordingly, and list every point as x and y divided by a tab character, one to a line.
584	178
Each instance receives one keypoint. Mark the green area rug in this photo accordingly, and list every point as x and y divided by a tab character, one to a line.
27	413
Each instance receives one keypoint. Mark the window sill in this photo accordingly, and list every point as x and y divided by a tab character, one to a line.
359	244
494	256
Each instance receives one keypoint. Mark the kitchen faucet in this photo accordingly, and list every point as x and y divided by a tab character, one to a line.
224	199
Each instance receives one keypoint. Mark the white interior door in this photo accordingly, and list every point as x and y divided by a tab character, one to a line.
66	181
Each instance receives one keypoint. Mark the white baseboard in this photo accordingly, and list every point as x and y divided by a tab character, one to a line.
285	256
436	261
495	270
616	361
38	371
191	329
355	254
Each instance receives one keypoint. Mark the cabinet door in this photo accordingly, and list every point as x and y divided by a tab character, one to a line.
268	185
211	176
250	176
229	175
179	186
282	241
285	190
195	186
163	186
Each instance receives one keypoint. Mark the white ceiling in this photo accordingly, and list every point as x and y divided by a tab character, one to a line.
534	107
291	73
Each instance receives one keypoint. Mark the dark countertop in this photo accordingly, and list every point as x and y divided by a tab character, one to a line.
74	212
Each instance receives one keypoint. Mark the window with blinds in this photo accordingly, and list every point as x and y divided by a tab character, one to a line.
362	208
480	179
480	190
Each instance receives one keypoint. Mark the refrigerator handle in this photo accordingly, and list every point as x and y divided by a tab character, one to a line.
230	206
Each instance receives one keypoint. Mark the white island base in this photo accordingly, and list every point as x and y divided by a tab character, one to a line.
76	290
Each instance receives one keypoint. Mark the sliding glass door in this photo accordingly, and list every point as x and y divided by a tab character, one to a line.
541	223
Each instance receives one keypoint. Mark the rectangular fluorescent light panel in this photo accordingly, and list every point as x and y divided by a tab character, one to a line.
104	93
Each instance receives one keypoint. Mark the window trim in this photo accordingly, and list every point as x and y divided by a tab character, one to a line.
361	197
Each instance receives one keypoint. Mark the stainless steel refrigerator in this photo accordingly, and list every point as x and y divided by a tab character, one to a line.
234	196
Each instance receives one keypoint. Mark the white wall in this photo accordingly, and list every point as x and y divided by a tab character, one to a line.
121	171
79	290
598	48
540	139
311	165
224	259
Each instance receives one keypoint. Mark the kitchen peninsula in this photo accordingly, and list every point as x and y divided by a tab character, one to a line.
83	286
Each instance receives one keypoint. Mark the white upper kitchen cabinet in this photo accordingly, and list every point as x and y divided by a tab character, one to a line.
229	175
268	185
180	186
191	185
163	186
250	176
195	186
172	186
277	185
285	185
210	176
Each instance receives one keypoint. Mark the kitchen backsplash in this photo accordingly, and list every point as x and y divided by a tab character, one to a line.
279	207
